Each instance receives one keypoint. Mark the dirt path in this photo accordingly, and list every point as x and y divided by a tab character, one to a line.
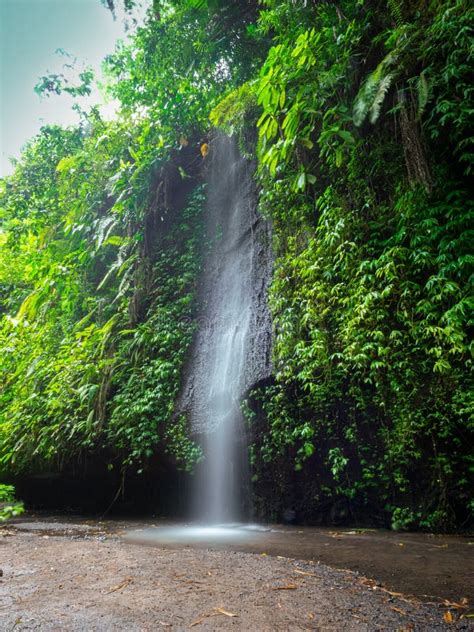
92	582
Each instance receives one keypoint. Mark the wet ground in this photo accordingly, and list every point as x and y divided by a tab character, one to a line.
428	566
77	574
433	567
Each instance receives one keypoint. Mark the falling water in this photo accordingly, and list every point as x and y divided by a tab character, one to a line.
231	351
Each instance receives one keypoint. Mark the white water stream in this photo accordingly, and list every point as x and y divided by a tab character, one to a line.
228	352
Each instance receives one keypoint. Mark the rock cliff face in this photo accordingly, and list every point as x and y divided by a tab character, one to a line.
232	347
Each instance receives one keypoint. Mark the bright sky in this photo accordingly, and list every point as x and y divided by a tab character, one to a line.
30	33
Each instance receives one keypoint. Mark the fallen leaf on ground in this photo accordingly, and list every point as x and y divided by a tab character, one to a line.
286	587
201	619
226	612
459	605
399	610
215	613
125	582
448	617
370	583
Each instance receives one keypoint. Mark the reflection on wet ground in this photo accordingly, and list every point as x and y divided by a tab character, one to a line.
433	567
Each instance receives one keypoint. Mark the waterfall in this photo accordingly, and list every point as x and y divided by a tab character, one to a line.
231	351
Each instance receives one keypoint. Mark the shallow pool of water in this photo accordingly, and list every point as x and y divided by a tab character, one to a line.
199	534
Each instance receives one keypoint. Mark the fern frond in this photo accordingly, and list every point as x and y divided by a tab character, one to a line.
104	227
382	89
423	92
374	89
364	98
396	9
360	110
29	307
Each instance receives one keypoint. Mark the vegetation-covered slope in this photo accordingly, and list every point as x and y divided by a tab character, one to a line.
364	142
363	112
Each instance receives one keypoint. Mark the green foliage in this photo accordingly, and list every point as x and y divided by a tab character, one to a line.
182	63
364	118
75	79
9	507
373	91
146	382
103	226
233	112
372	291
81	372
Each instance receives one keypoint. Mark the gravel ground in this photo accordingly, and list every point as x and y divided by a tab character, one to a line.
92	582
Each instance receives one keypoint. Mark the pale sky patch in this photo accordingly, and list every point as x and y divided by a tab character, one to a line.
31	31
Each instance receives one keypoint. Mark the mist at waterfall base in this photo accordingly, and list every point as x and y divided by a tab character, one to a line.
230	353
